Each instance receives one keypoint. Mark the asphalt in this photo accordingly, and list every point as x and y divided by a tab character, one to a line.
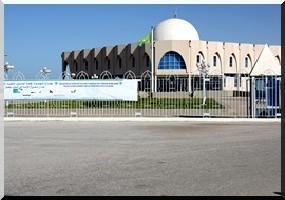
89	158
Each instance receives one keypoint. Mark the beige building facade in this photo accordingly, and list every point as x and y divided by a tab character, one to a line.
176	51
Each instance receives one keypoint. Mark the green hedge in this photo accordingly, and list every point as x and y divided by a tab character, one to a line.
144	103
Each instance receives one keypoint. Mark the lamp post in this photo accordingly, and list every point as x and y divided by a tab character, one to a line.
44	72
7	67
152	63
203	69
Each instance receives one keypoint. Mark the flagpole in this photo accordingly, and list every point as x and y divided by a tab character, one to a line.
152	65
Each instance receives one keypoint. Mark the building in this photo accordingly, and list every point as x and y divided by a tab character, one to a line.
176	51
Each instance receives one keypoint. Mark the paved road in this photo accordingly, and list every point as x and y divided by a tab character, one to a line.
142	158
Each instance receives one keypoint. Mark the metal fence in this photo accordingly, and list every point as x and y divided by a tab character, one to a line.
173	96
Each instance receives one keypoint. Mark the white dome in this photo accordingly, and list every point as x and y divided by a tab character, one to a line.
175	29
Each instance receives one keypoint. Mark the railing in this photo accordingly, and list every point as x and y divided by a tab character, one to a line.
173	96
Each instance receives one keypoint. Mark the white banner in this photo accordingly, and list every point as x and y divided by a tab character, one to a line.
121	89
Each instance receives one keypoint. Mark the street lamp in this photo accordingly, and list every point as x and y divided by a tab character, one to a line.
203	69
44	72
7	67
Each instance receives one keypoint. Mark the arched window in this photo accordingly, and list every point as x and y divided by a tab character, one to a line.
133	61
231	61
214	61
76	65
198	58
147	60
108	62
96	63
86	65
119	62
172	60
246	61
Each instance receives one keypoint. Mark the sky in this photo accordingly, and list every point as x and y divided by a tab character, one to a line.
36	35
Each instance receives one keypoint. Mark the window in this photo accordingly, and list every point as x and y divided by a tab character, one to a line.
147	61
216	83
109	63
172	60
231	61
96	64
242	78
86	65
76	65
198	59
246	62
133	61
231	79
197	83
120	63
214	61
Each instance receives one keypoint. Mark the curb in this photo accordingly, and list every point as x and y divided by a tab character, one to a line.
138	119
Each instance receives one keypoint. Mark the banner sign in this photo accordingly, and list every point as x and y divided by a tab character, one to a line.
121	89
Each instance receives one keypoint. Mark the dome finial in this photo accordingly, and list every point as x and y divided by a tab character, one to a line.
175	12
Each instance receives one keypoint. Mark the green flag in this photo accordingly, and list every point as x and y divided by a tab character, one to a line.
146	39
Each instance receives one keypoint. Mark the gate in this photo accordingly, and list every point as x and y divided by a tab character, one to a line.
266	97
